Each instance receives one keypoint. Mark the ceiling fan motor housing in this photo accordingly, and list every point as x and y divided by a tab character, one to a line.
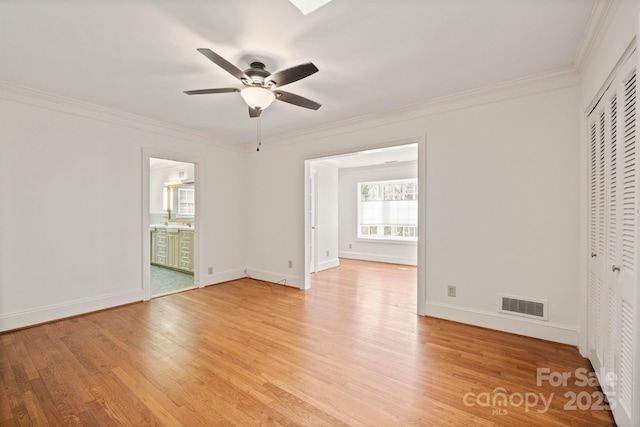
257	73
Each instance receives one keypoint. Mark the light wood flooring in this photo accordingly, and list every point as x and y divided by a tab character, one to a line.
349	351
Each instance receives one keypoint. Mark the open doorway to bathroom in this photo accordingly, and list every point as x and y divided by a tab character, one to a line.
172	222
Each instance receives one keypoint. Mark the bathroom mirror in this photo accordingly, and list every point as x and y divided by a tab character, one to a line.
180	200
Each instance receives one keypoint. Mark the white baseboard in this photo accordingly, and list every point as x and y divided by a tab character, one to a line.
223	276
502	322
60	311
274	277
325	265
378	258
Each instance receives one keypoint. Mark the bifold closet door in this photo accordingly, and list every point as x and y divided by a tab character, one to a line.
613	254
603	227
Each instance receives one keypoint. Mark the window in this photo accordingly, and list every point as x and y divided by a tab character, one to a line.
186	202
388	210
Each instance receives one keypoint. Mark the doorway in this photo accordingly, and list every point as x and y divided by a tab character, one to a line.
322	238
170	229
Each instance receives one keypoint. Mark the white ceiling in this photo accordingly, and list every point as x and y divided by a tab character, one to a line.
379	156
139	56
155	164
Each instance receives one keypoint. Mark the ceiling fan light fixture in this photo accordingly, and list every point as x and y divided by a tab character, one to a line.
308	6
257	97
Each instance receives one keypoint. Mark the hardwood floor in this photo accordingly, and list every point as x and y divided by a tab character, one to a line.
349	351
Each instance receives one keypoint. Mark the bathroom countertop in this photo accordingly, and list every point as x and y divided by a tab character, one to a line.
172	226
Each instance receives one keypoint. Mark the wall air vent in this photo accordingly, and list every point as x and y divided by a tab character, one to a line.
521	306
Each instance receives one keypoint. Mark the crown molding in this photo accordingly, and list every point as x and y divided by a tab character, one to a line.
26	95
507	90
600	15
539	83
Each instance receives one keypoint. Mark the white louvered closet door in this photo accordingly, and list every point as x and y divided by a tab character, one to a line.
613	231
627	366
602	230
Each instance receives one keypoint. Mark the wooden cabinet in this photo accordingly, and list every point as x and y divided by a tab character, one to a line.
173	244
159	248
172	248
186	250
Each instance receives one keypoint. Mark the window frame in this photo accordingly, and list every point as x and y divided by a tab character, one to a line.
387	191
189	205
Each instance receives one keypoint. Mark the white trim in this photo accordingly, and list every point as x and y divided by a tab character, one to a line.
600	14
422	227
628	52
583	244
25	95
306	232
390	240
378	258
502	322
68	309
313	228
325	265
274	277
222	276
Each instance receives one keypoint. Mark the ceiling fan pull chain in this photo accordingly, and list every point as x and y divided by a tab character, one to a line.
259	134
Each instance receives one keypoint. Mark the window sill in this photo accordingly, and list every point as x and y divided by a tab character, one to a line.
389	241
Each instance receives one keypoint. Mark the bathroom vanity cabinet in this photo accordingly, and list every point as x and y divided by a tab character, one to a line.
172	247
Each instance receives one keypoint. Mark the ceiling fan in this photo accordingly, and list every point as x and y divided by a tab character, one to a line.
261	87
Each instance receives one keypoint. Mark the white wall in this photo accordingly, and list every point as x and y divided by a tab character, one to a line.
327	216
502	203
73	174
502	195
395	252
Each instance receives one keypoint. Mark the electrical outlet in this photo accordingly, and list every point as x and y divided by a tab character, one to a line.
210	270
350	246
290	263
451	291
327	253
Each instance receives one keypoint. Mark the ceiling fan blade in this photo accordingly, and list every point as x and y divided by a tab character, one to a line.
224	64
207	91
290	75
294	99
254	112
